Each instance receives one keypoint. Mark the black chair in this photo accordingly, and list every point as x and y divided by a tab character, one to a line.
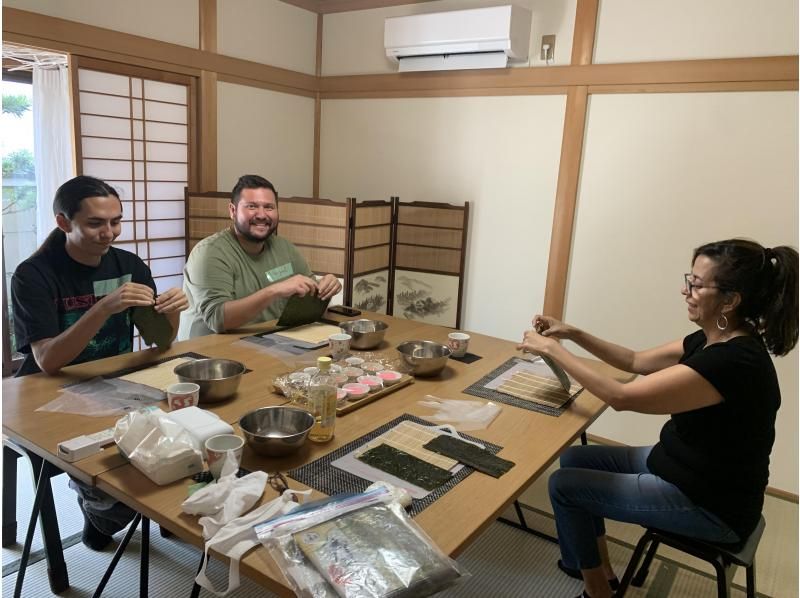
724	558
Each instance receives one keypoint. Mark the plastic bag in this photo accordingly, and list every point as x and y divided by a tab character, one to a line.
157	446
357	546
100	397
462	414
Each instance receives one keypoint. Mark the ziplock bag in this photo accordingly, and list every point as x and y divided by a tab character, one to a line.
357	546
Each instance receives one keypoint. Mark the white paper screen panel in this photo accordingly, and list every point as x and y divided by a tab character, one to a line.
134	134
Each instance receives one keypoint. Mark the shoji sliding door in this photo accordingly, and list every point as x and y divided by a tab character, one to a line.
133	129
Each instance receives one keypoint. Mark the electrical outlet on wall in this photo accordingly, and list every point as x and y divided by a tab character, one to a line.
548	50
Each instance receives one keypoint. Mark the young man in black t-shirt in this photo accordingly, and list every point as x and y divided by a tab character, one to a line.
72	301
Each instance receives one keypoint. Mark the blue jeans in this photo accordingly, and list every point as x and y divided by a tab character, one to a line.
595	482
105	513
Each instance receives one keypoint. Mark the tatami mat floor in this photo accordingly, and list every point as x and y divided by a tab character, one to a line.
503	562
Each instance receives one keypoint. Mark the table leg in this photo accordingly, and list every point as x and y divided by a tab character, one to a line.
51	535
10	457
41	489
144	562
523	525
196	588
117	555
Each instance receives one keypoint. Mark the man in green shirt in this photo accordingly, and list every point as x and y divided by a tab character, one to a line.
246	273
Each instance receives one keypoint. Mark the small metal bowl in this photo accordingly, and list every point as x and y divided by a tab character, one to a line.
218	378
276	431
367	334
425	358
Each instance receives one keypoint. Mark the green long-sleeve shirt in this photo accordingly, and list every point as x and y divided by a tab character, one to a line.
219	270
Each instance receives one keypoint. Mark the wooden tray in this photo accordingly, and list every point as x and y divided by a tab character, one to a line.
373	396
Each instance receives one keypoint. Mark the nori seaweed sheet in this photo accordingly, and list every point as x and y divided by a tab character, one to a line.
406	467
469	454
153	326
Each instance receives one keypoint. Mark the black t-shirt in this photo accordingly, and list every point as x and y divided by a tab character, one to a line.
50	291
719	455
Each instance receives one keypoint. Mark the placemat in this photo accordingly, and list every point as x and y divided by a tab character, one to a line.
273	343
322	476
467	358
144	366
478	389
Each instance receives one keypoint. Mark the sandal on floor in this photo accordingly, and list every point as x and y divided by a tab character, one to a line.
576	574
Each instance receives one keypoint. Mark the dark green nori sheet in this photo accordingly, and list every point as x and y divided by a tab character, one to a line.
153	326
469	454
406	467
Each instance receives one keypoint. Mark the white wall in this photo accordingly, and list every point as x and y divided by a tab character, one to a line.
644	30
267	133
268	31
352	42
500	154
662	174
175	21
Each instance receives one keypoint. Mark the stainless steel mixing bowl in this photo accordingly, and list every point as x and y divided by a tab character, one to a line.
218	379
425	358
276	431
367	334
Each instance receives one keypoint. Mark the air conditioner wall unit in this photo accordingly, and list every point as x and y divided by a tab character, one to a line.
459	39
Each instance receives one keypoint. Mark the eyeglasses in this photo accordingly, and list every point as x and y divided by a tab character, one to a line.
278	483
690	286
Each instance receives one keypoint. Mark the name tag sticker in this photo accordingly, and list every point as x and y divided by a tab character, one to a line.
104	287
280	272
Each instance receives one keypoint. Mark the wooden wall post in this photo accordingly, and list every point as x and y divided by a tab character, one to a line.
207	108
570	164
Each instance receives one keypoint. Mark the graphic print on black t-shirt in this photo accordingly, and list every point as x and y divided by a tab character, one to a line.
108	341
51	292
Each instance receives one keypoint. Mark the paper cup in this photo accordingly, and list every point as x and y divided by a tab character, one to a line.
218	447
458	342
340	345
183	394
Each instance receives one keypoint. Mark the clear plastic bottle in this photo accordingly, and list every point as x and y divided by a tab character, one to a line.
322	402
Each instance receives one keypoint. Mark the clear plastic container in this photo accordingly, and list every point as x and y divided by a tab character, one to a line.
322	402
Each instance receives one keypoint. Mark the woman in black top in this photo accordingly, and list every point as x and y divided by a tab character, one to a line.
707	475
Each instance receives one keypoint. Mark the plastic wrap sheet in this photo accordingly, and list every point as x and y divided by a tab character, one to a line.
111	394
99	397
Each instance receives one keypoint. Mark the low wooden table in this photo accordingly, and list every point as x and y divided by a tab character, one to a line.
530	439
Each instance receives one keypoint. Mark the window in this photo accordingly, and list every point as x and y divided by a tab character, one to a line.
19	193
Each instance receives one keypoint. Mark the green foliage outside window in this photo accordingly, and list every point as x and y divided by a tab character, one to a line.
16	105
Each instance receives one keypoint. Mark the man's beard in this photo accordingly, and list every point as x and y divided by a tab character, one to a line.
245	231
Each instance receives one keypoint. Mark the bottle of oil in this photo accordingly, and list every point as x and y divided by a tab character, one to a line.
322	402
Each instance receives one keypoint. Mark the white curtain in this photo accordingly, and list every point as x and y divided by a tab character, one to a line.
52	141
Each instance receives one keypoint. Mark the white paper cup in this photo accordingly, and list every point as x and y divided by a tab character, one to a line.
183	394
340	345
458	343
218	447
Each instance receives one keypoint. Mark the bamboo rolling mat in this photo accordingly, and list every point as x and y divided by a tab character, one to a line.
530	387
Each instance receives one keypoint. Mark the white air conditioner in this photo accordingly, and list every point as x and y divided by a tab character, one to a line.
477	38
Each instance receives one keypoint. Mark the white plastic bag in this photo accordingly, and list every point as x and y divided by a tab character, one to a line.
157	446
463	415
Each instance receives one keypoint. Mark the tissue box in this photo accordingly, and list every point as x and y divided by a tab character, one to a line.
200	424
159	447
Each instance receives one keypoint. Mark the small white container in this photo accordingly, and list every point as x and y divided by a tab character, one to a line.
389	377
372	367
356	391
353	373
373	382
354	361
